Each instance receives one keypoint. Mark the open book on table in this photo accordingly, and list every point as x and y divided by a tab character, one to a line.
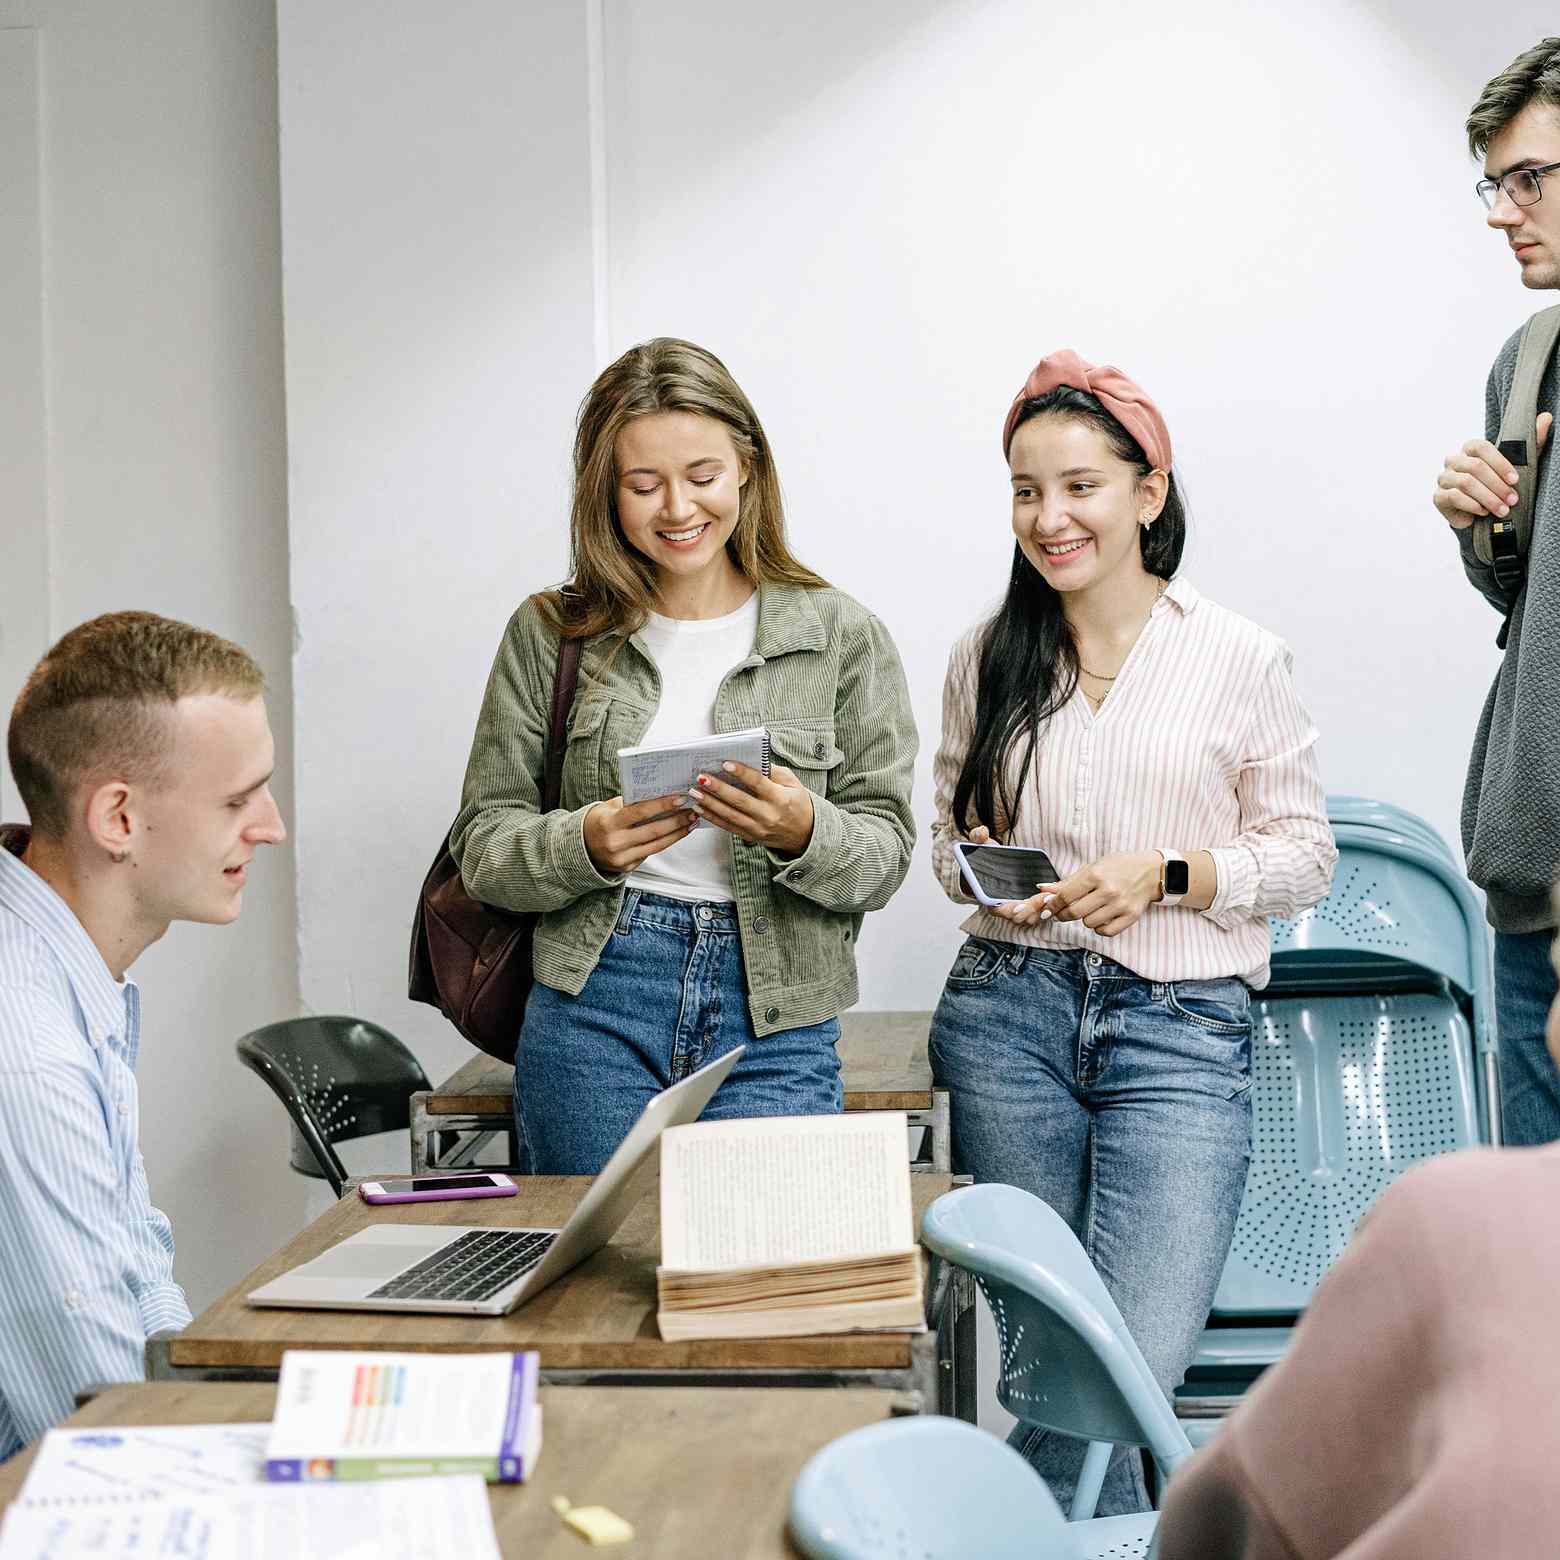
788	1225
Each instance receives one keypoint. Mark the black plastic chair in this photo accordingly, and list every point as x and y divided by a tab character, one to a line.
339	1078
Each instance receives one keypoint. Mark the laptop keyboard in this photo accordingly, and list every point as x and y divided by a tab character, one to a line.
474	1267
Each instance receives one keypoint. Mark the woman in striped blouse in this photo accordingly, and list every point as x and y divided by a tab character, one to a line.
1096	1037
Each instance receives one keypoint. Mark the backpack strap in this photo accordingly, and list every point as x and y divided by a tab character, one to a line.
1502	542
564	684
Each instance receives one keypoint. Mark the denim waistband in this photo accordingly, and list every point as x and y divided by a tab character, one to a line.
684	916
1080	964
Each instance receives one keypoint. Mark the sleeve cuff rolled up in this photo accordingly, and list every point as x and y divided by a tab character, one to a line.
1236	878
801	873
571	859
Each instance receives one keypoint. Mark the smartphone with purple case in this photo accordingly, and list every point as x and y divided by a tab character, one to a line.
436	1188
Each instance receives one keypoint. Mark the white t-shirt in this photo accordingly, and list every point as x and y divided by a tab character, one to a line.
693	657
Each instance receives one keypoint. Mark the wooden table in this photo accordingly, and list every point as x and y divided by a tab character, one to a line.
882	1056
594	1326
699	1472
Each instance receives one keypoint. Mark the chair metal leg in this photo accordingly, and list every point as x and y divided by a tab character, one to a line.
1086	1494
942	1133
425	1146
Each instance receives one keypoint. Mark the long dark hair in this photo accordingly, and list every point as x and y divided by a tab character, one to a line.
1028	664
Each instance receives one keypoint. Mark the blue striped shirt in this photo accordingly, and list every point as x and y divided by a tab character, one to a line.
87	1271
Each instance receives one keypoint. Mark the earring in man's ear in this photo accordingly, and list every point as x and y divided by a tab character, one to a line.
119	857
1147	521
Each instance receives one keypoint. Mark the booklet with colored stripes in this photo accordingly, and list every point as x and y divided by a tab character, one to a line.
349	1415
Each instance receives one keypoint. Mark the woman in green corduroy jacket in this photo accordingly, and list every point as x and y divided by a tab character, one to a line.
676	929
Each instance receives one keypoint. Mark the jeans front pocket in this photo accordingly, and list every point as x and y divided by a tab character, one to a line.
1223	1007
978	963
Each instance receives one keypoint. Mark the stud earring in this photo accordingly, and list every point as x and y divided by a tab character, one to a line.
119	857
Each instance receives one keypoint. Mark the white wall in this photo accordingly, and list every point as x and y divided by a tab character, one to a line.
166	464
879	215
24	578
439	306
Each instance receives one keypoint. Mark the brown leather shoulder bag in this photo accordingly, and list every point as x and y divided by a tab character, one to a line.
470	960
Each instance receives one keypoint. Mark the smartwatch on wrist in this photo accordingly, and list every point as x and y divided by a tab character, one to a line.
1175	878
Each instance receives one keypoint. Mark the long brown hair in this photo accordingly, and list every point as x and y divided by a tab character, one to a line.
614	586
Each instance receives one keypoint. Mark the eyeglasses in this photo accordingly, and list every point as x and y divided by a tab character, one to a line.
1521	185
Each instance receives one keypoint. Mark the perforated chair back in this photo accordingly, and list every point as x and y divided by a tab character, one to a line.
1397	897
925	1488
339	1078
1066	1360
1348	1093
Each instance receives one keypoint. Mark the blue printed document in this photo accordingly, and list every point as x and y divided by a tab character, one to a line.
144	1462
381	1520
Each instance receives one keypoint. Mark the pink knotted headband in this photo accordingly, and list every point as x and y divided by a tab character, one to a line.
1124	399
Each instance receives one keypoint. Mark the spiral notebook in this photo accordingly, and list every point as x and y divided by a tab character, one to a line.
673	768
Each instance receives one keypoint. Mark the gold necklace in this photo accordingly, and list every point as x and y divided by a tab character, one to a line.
1095	675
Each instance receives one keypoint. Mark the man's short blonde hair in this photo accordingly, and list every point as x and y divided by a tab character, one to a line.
97	706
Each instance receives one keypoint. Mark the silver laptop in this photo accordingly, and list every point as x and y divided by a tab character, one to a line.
486	1270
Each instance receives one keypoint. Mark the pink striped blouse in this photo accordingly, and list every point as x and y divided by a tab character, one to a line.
1202	744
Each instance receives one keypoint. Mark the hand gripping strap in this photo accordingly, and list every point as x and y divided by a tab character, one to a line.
1502	542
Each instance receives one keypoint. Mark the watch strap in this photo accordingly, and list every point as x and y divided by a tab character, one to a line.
1169	877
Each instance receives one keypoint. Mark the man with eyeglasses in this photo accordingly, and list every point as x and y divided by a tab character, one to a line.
1511	801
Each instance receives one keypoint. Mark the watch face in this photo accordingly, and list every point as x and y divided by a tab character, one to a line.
1178	877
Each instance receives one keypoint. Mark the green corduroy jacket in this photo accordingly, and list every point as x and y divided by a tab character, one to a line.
824	678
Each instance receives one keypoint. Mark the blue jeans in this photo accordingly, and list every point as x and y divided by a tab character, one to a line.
1126	1105
1529	1085
667	996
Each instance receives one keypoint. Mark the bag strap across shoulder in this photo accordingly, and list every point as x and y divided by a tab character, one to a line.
1502	542
564	685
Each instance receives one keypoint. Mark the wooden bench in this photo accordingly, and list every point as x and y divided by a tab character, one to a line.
882	1056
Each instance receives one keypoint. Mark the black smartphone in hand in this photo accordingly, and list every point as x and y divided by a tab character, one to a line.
997	873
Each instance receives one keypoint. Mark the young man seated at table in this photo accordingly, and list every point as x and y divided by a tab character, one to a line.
1415	1415
143	755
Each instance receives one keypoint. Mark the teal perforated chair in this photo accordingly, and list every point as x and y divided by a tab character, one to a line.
927	1487
1067	1360
1373	1050
1372	812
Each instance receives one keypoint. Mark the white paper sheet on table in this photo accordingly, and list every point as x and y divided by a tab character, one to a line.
382	1519
145	1462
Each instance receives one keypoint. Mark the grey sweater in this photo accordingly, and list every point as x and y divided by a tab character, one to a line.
1511	800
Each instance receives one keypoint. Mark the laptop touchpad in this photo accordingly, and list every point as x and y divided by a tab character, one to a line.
359	1259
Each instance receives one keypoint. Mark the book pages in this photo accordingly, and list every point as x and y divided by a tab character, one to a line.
776	1190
